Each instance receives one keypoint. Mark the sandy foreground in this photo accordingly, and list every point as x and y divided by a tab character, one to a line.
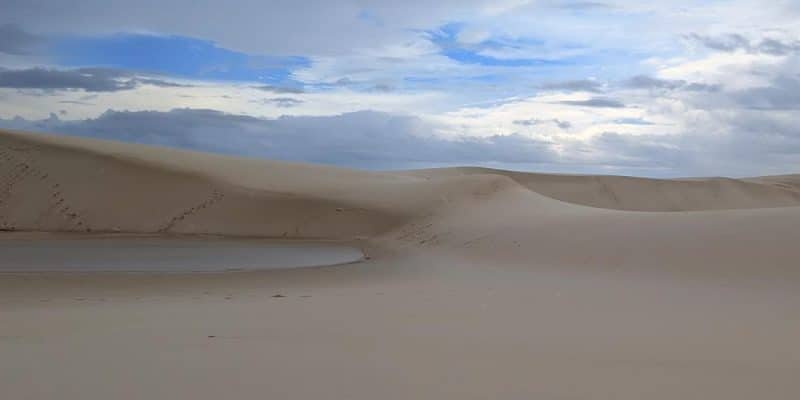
478	283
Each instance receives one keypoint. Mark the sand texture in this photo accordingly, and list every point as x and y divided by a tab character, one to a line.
478	283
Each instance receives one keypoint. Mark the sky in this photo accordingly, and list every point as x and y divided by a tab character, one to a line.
688	88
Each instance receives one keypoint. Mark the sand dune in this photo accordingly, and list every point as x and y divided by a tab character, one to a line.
643	194
480	283
72	184
80	185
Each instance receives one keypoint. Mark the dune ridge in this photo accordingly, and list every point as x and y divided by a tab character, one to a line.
648	194
55	183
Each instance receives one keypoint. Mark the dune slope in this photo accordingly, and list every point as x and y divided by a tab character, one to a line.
72	184
480	283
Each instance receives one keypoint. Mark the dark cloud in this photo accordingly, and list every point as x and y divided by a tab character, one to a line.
599	102
759	138
361	139
648	82
776	47
161	83
280	89
730	42
76	102
783	93
531	122
527	122
344	82
639	151
737	42
562	124
584	85
15	41
749	142
285	102
87	79
702	87
90	80
382	87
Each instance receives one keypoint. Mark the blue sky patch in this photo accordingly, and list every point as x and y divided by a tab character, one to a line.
175	56
446	37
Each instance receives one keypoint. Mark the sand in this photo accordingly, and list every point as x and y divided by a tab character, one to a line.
478	284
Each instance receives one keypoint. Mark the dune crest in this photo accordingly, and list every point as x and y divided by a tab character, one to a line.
55	183
647	194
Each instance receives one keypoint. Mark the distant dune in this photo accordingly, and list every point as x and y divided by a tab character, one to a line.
643	194
479	283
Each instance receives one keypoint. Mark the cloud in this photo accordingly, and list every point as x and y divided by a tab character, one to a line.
783	93
584	5
532	122
716	142
599	102
279	89
776	47
87	79
562	124
90	80
638	151
160	83
633	121
360	139
76	102
527	122
285	102
81	101
648	82
382	87
256	27
729	42
583	85
500	51
736	42
15	41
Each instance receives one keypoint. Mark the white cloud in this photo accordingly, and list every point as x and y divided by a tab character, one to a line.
243	99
